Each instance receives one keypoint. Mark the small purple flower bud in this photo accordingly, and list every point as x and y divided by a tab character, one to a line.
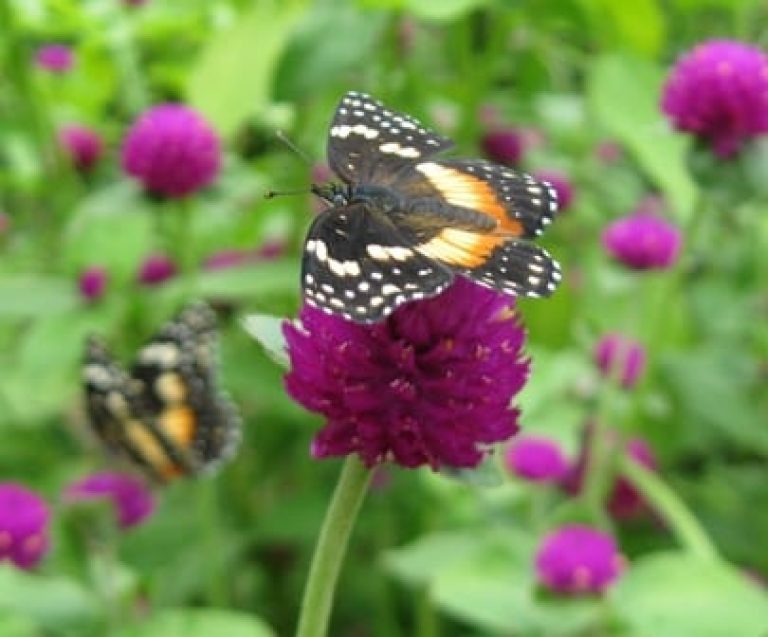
718	92
643	241
24	518
93	282
620	357
536	459
156	269
83	146
504	146
56	58
578	560
132	501
562	185
172	150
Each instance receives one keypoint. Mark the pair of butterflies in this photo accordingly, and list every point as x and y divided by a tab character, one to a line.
401	227
165	414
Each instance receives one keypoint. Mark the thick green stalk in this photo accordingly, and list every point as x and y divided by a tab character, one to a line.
331	548
665	502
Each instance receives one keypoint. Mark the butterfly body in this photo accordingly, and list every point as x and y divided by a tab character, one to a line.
403	224
166	414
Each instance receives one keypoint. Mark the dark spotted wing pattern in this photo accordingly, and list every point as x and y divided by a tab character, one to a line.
359	265
367	142
406	222
167	414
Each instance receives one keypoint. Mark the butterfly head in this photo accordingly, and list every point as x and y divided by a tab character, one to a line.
332	193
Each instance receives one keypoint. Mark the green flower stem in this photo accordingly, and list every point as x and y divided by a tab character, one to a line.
331	548
126	58
216	592
665	502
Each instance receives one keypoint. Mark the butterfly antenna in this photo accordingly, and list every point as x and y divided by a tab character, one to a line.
281	193
284	138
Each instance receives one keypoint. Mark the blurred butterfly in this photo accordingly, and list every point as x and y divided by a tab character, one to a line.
166	414
404	223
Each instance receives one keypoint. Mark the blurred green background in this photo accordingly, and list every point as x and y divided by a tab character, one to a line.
432	555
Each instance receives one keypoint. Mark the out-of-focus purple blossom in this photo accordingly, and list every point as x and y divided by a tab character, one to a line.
608	151
156	269
5	223
24	518
621	357
93	283
717	91
172	150
134	3
643	241
536	459
624	501
82	145
562	185
429	385
131	499
578	560
504	146
57	58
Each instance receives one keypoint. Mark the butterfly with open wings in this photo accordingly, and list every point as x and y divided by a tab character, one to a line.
404	224
166	415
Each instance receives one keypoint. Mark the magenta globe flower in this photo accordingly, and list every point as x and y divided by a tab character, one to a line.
578	560
562	185
172	151
156	269
82	145
504	146
56	58
93	283
430	385
24	518
718	92
643	241
620	357
536	459
132	501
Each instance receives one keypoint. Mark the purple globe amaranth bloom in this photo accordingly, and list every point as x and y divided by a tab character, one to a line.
429	385
578	560
718	91
562	185
57	58
131	499
156	269
82	145
536	459
24	518
93	283
621	357
172	150
643	241
504	145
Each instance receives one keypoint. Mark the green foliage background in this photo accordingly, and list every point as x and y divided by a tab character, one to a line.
432	555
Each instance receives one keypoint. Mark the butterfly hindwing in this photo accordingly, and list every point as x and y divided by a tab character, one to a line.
357	264
369	142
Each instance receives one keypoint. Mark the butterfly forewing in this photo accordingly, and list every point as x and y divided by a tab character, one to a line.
357	264
369	143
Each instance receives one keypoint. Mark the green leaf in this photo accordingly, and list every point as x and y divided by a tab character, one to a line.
29	296
637	26
184	622
233	77
269	332
673	594
14	625
51	602
438	10
623	94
